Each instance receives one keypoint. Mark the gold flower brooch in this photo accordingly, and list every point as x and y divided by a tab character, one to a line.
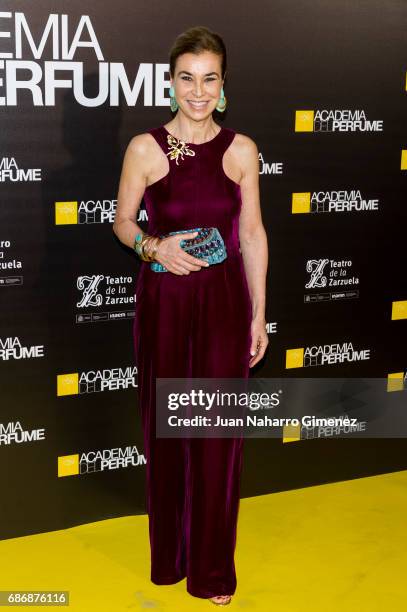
178	148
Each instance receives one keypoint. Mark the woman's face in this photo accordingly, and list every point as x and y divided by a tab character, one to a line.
197	83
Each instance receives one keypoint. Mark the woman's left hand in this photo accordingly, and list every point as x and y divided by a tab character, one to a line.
259	341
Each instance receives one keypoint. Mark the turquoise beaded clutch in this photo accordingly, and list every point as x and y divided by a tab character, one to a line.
208	245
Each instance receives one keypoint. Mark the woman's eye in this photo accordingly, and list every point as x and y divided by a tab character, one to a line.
187	78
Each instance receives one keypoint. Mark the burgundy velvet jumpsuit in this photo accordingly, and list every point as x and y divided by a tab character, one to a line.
193	325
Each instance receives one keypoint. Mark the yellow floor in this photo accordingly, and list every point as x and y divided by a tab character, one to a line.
338	547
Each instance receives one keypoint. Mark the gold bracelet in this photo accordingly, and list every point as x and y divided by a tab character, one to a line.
142	251
149	247
146	248
153	251
142	245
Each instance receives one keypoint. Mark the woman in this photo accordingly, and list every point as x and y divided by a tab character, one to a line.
195	319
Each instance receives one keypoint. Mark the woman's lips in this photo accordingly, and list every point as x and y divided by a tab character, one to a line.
197	104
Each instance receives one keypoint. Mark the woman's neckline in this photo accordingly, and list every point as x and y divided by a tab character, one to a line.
193	144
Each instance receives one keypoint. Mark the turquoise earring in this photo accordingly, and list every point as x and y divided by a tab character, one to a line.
222	102
173	102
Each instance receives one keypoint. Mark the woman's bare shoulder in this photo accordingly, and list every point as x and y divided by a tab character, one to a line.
142	144
144	153
244	151
244	145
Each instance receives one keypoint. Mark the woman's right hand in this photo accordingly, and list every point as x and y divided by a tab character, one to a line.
174	258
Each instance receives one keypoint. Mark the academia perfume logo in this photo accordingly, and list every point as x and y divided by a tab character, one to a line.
13	433
336	276
89	212
343	201
10	172
96	381
269	168
397	381
31	63
345	425
399	310
337	120
100	291
12	348
99	461
325	354
85	212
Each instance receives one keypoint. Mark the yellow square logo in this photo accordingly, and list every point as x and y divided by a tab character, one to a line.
304	121
66	213
294	358
68	384
395	381
291	433
404	159
68	465
399	310
301	203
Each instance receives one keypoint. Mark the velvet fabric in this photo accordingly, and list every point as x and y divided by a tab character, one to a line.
193	325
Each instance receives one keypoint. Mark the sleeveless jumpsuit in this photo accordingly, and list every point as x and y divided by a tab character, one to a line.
193	325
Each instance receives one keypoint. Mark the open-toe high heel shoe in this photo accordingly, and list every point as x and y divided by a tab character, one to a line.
223	600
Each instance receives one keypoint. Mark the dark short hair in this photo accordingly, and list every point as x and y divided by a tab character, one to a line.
196	40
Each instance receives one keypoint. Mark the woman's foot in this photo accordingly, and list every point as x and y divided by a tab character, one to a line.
221	600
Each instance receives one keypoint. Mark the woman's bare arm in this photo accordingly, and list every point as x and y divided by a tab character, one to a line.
253	240
133	182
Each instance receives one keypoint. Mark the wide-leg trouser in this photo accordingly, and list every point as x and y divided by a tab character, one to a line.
195	325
